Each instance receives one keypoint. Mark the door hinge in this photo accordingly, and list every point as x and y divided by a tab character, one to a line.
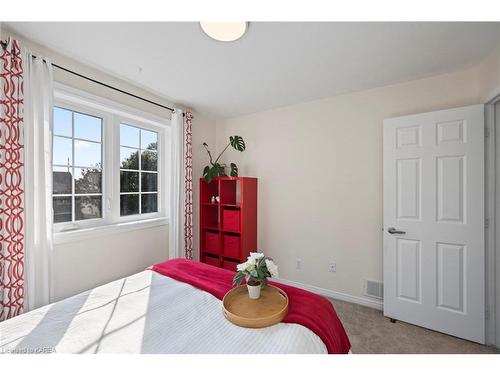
486	132
487	314
486	223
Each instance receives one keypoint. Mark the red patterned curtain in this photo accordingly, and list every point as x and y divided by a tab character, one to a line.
11	181
188	185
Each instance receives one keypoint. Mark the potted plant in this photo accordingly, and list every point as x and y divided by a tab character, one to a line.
255	271
216	169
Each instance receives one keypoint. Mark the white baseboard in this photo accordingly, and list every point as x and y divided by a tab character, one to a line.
374	304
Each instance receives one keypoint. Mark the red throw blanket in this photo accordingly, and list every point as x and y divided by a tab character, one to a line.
304	308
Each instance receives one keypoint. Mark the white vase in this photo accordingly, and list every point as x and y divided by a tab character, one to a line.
253	291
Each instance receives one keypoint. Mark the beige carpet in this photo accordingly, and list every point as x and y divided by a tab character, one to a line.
371	333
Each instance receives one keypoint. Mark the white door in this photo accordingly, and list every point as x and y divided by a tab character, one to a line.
434	220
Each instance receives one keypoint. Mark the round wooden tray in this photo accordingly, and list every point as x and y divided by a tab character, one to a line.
269	309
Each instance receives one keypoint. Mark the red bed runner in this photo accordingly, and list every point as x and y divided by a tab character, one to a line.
305	308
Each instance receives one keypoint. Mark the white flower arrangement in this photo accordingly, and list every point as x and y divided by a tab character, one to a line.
256	270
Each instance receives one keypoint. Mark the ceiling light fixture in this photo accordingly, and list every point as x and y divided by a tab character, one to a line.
224	31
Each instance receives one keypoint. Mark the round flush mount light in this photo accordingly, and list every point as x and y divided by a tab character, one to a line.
224	31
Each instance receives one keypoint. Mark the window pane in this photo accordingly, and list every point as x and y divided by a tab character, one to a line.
148	140
88	207
61	180
149	203
87	127
129	136
62	209
149	181
62	122
88	180
87	154
149	161
129	204
62	154
129	158
129	181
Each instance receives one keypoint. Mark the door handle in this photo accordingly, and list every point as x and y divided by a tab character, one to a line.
393	230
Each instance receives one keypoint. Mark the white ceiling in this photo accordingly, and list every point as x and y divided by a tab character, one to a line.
274	64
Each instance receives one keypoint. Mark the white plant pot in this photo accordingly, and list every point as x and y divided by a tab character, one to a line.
253	291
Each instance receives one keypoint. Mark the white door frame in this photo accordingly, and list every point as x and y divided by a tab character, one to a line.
492	212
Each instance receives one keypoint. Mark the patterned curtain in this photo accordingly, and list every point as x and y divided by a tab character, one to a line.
188	185
11	181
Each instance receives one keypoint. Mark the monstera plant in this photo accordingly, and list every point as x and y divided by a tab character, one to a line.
216	169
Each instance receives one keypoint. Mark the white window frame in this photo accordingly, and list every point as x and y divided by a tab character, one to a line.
160	147
113	114
66	226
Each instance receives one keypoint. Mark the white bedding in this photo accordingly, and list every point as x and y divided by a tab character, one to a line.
146	313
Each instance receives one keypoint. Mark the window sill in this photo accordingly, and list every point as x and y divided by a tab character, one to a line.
106	230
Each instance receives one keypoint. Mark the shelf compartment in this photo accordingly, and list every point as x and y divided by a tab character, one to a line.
212	260
209	253
212	228
212	242
208	190
210	216
231	246
231	220
230	190
238	260
229	264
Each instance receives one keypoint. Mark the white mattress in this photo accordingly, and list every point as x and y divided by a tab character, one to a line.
146	313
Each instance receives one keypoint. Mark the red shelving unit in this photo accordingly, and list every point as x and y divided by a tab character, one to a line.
228	228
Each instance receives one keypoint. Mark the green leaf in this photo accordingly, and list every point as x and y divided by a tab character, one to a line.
219	170
234	170
209	172
237	143
261	274
238	278
262	262
254	273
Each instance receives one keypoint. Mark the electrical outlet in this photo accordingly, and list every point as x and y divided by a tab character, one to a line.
332	267
299	264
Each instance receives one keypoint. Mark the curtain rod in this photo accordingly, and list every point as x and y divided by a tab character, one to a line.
4	45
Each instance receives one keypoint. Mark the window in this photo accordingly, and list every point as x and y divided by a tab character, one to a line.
138	170
108	163
77	166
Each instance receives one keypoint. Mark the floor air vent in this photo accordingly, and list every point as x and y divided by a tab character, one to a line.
374	289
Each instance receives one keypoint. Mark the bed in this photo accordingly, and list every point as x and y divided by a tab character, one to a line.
148	312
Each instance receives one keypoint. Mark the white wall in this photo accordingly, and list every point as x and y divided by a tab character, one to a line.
84	264
319	166
489	75
97	74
